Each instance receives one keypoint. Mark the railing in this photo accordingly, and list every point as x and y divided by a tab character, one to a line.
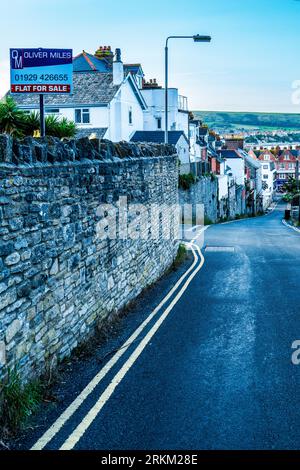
182	103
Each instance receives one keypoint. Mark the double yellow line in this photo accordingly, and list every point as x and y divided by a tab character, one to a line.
78	432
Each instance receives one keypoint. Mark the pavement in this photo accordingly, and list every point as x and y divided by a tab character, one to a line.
210	369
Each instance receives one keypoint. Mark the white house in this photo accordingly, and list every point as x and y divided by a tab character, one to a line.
105	102
154	115
235	165
176	138
112	100
198	140
268	182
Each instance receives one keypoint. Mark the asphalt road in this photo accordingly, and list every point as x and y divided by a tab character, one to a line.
217	373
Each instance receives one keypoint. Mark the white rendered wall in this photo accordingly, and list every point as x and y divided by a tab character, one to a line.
119	126
237	168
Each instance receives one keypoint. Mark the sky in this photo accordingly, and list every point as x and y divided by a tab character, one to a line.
250	65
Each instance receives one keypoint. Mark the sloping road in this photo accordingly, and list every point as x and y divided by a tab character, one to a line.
217	373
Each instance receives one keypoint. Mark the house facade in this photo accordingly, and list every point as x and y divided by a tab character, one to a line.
286	166
176	138
106	101
112	100
154	116
268	182
246	173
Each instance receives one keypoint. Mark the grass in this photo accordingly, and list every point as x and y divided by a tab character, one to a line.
207	220
18	401
181	256
186	181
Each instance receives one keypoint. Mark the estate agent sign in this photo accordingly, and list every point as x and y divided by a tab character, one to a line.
42	71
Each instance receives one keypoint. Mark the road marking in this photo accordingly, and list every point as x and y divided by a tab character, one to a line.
73	407
290	226
220	249
95	410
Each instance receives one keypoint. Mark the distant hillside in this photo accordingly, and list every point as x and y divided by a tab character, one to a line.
235	121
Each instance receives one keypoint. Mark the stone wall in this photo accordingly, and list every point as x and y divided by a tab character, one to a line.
205	192
58	278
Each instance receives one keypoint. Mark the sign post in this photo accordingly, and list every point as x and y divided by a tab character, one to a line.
42	116
41	71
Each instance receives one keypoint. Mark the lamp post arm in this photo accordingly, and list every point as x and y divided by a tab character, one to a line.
197	38
177	37
167	84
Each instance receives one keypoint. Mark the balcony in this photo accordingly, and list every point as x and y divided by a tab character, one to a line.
182	103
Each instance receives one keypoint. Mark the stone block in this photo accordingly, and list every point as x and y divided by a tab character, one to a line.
2	354
12	330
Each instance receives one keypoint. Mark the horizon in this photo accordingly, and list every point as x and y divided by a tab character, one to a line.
232	73
240	112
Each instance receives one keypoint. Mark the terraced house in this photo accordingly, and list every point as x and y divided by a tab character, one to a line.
286	166
280	166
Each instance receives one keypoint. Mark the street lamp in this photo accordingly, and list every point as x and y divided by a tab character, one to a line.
196	38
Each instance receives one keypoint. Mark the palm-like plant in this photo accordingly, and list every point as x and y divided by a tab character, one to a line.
66	128
11	117
17	123
51	125
59	128
31	123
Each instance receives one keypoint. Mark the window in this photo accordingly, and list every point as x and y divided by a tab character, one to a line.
266	157
265	177
130	116
291	166
82	116
265	167
52	110
158	123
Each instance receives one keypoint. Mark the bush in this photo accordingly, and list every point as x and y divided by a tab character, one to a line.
59	128
186	181
65	128
287	197
207	220
18	401
181	256
16	122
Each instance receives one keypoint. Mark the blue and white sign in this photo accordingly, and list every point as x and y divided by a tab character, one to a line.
41	70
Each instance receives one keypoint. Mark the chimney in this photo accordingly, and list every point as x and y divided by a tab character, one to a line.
104	53
151	84
118	69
